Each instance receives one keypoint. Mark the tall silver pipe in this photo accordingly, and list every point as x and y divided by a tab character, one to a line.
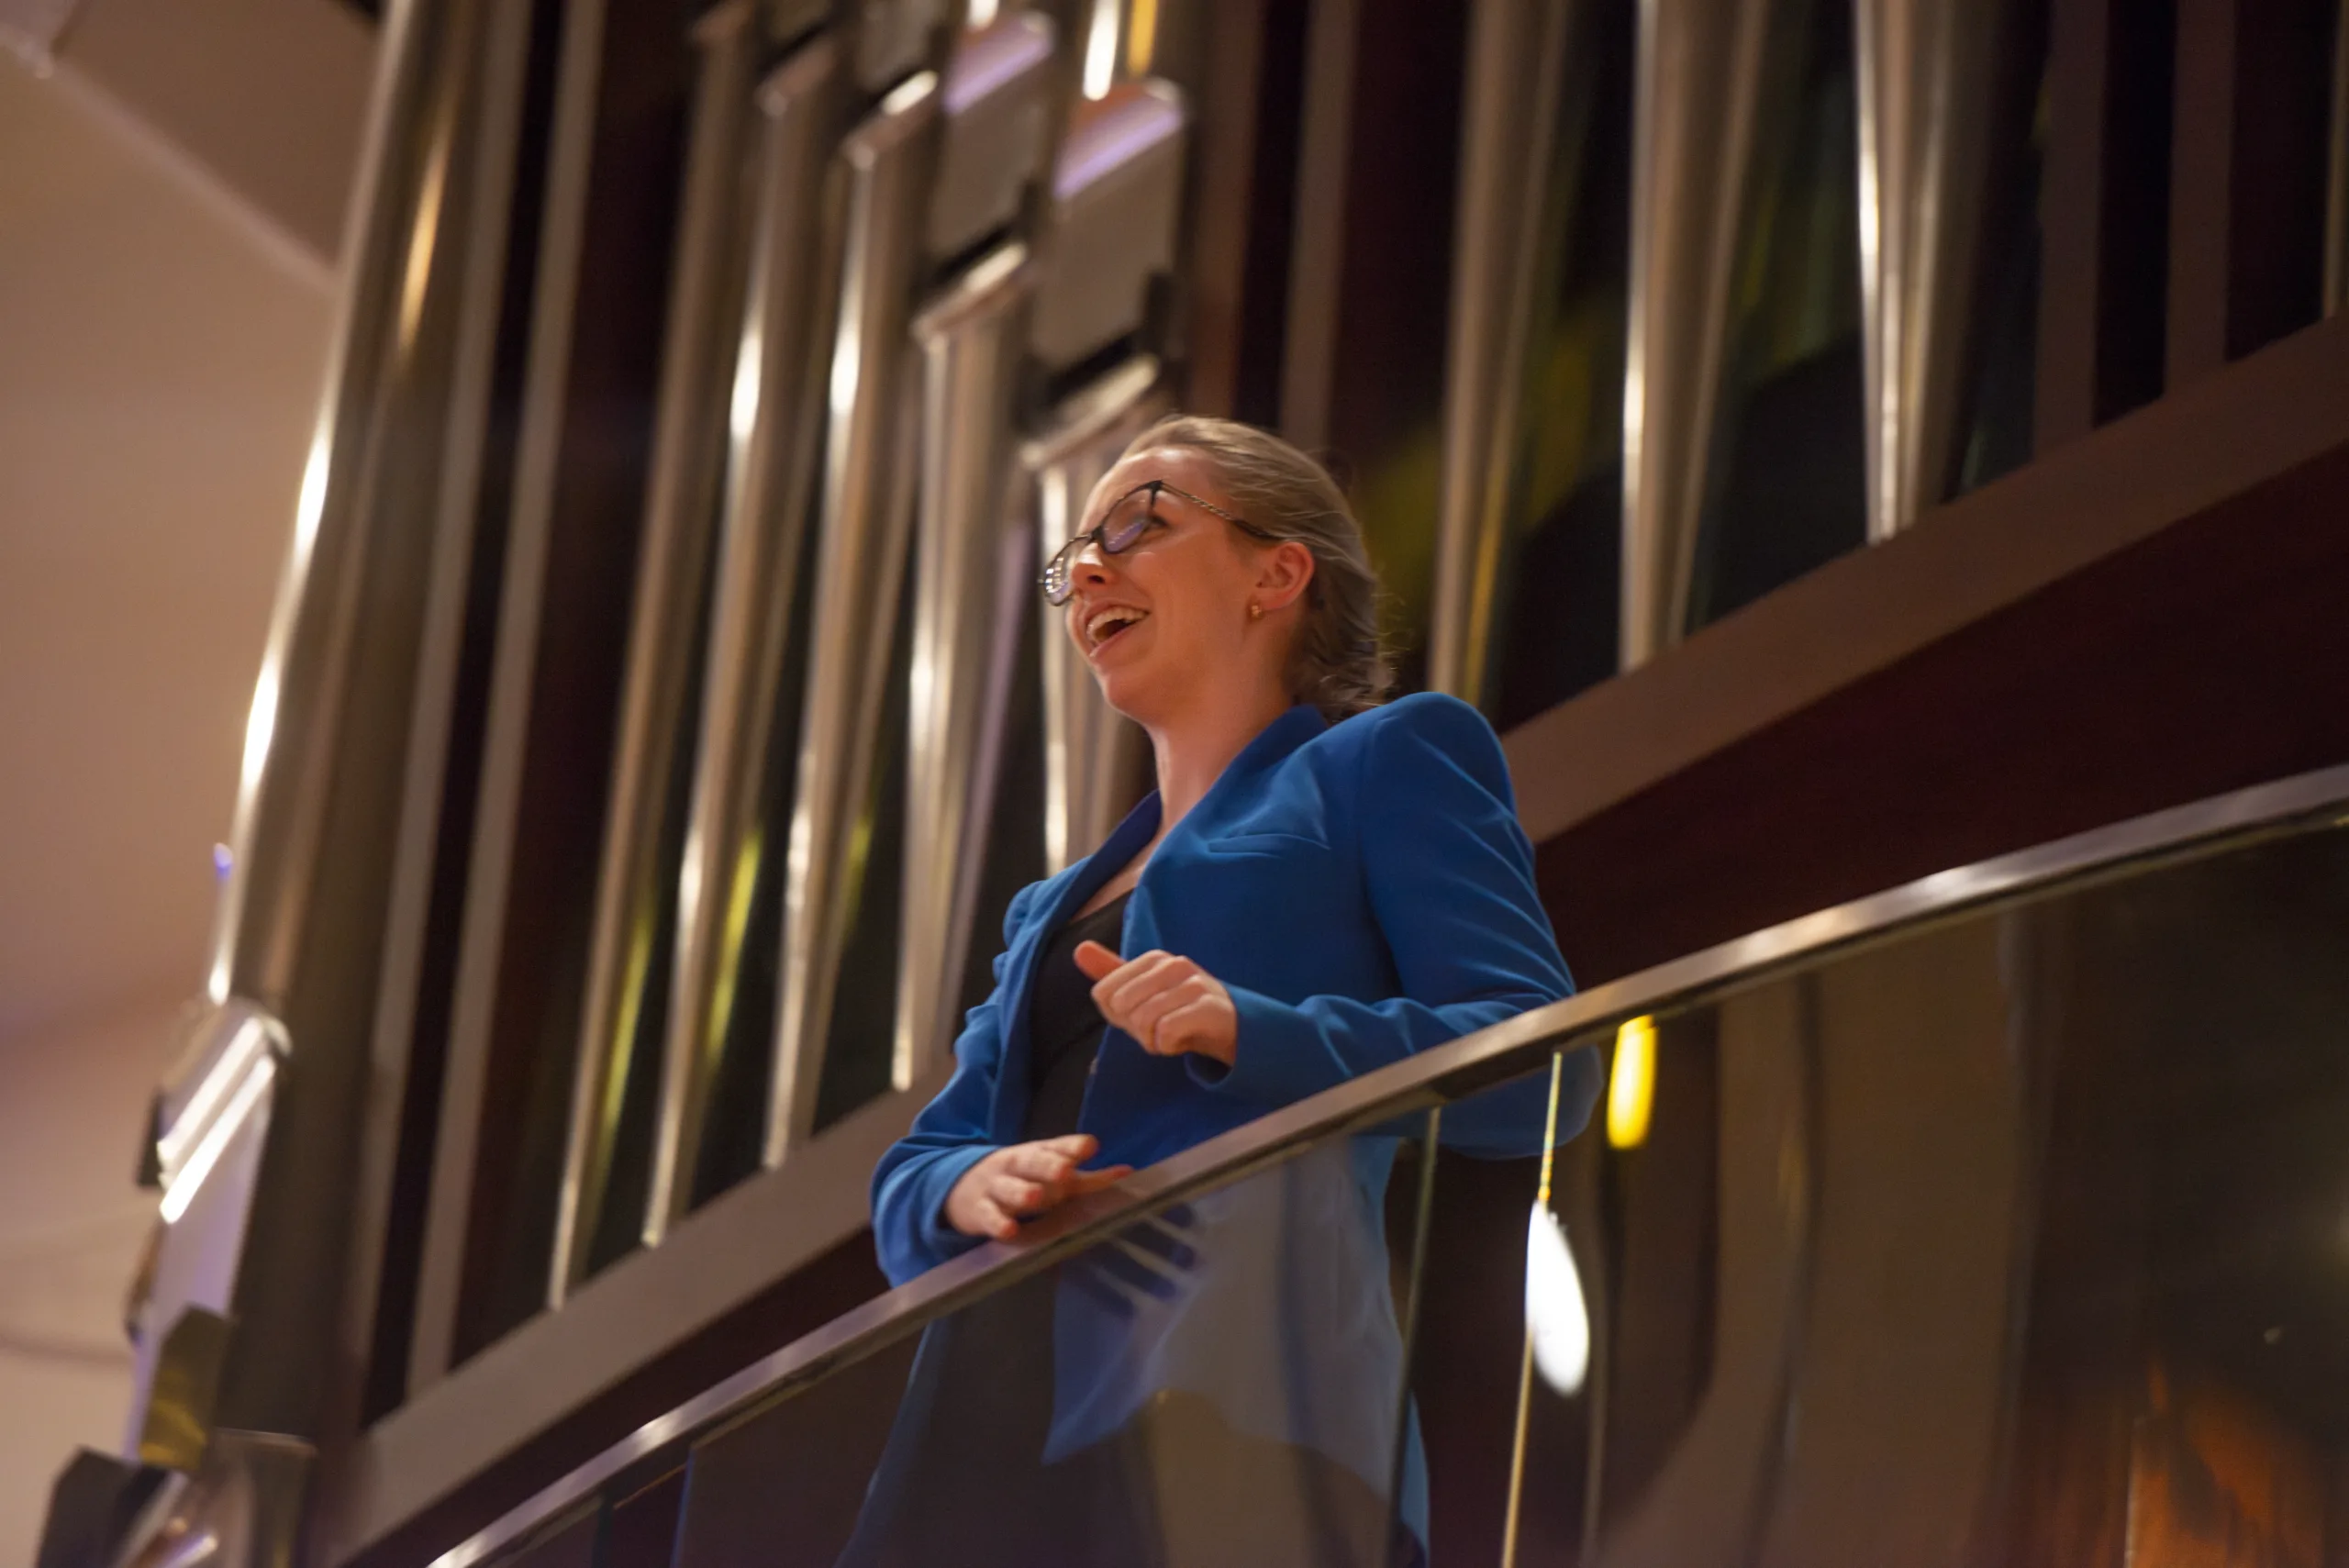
1116	196
402	205
663	645
774	429
1699	80
1508	153
1095	760
441	1270
867	513
972	558
1925	71
972	572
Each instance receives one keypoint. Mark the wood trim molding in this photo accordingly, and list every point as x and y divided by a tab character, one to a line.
2175	459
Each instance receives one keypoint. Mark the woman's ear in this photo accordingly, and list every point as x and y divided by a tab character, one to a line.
1286	572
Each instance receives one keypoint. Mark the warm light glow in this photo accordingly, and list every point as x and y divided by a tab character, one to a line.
1557	1320
422	238
184	1185
982	14
252	1035
260	724
744	410
729	961
1142	38
1101	50
848	365
1631	1092
312	504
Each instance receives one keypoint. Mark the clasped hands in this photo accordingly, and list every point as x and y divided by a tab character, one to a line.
1170	1006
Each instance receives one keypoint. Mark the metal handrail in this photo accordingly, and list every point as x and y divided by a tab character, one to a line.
1464	1066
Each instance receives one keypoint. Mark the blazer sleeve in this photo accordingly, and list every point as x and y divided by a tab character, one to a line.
950	1135
1449	876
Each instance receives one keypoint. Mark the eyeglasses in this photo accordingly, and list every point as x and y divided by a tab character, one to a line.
1123	526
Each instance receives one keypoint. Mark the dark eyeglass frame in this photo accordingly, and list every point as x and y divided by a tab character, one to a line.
1055	581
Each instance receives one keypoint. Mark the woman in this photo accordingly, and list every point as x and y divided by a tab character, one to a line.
1319	887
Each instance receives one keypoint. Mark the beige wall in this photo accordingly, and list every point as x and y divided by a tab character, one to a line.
161	359
70	1227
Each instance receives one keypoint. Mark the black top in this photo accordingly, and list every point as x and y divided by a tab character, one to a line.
1063	1025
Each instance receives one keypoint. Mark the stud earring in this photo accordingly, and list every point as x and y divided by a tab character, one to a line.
1255	610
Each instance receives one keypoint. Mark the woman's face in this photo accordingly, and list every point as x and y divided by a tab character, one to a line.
1167	620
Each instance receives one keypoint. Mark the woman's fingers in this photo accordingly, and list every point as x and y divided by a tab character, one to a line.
1023	1180
1150	1014
1085	1182
1098	961
1203	1023
1039	1163
1135	982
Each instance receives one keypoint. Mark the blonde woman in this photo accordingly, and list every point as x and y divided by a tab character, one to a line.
1320	885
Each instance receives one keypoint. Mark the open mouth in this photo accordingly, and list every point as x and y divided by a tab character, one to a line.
1111	622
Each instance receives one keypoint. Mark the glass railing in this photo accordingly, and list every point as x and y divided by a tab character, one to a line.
1992	1219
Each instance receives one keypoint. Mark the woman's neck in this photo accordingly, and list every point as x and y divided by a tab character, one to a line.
1193	753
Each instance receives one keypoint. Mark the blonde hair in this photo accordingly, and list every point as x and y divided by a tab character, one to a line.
1338	663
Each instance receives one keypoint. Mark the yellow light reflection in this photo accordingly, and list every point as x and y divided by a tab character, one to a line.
423	238
738	922
1630	1091
1142	38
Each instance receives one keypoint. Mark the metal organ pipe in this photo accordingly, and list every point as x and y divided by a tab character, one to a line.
1699	80
1924	70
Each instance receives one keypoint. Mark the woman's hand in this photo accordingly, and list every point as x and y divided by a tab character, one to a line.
1022	1180
1170	1004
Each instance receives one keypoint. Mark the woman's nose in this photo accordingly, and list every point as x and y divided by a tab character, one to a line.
1091	565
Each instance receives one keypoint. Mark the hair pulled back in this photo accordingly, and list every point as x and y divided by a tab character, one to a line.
1337	663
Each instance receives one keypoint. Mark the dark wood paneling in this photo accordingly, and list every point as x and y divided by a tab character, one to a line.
2212	656
2247	177
2104	212
2055	519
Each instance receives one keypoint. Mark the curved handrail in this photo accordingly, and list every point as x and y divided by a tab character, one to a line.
1462	1067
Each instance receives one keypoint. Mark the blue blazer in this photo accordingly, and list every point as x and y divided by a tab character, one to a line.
1365	892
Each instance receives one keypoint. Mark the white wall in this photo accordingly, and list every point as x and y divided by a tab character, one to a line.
161	361
71	1222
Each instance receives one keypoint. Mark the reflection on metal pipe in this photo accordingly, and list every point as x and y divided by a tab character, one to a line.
997	104
895	37
1924	69
662	630
775	426
868	502
1516	62
394	313
972	571
1101	47
1699	87
974	575
1095	760
1117	193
